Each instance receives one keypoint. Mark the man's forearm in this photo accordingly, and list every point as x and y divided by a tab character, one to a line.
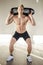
9	19
32	20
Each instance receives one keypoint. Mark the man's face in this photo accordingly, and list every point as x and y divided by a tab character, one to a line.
20	9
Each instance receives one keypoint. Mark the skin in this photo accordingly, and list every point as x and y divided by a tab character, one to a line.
20	20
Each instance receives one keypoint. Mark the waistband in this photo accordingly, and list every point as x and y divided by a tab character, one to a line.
20	33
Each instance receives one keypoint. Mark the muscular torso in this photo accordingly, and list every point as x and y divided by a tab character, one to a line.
20	23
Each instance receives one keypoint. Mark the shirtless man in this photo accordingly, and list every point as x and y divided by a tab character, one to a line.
20	20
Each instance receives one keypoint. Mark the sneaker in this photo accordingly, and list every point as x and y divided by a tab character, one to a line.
10	58
29	59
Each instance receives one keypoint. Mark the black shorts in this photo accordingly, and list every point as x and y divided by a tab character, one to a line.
17	35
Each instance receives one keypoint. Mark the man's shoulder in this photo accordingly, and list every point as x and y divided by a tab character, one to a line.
26	17
16	16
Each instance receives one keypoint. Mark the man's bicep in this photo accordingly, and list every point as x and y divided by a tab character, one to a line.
10	21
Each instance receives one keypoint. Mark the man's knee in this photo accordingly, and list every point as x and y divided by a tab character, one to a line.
13	40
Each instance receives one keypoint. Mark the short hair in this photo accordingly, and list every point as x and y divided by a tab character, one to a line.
22	5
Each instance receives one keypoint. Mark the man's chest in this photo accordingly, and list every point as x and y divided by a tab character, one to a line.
21	21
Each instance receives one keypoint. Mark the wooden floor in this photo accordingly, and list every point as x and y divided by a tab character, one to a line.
19	57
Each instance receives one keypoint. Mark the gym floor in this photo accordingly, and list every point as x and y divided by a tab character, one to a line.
20	56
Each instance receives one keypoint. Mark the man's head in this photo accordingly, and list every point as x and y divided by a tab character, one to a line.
21	8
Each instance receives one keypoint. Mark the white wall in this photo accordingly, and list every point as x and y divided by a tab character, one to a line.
6	5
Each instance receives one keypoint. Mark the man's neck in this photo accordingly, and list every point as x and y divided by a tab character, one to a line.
20	15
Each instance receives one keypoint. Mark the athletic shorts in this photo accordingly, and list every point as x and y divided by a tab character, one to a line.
24	35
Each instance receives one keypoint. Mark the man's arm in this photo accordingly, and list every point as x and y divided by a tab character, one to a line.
9	19
32	21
